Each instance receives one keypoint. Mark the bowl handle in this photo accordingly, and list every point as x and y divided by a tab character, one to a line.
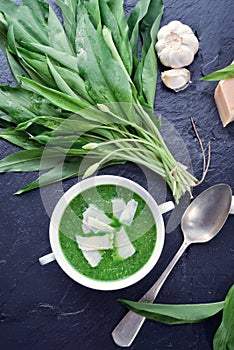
232	206
46	259
165	207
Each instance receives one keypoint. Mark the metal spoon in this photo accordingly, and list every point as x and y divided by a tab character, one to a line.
201	221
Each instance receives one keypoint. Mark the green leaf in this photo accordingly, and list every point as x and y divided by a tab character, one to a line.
4	123
38	65
224	336
11	39
68	103
114	19
105	79
21	105
69	13
136	15
15	103
28	21
16	68
58	98
145	20
39	10
61	83
18	138
174	314
75	82
222	74
3	33
93	8
61	57
107	36
29	160
148	30
57	37
60	172
73	125
124	46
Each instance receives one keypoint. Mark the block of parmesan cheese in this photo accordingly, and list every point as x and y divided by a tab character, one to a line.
224	99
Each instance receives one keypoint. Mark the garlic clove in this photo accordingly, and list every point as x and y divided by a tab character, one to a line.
160	46
164	57
185	29
163	32
191	41
176	79
181	58
174	26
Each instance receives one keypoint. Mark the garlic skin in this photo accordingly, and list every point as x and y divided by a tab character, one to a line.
176	45
176	79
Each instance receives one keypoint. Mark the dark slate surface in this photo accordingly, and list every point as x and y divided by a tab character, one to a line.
42	308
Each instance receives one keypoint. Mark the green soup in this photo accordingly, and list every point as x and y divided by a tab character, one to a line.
142	233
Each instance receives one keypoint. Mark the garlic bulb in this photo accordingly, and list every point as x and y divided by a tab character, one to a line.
176	79
176	45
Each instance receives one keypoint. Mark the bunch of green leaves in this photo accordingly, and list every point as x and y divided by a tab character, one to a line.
192	313
85	90
221	74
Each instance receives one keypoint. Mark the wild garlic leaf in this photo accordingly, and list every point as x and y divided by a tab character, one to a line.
93	8
60	125
224	336
58	98
15	103
21	105
106	81
3	33
75	82
61	83
18	138
101	80
222	74
60	172
114	19
148	30
29	160
144	20
58	41
174	314
69	14
23	16
67	61
72	4
16	68
136	15
39	10
37	63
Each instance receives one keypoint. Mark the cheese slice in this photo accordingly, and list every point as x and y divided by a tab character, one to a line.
95	220
86	229
93	211
224	99
118	205
92	256
95	242
124	247
128	213
98	226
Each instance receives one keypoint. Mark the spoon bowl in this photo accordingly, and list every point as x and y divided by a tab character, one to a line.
206	215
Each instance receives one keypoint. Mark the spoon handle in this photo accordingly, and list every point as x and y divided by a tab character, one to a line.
128	328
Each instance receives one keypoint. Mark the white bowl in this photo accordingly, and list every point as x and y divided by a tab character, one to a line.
58	254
